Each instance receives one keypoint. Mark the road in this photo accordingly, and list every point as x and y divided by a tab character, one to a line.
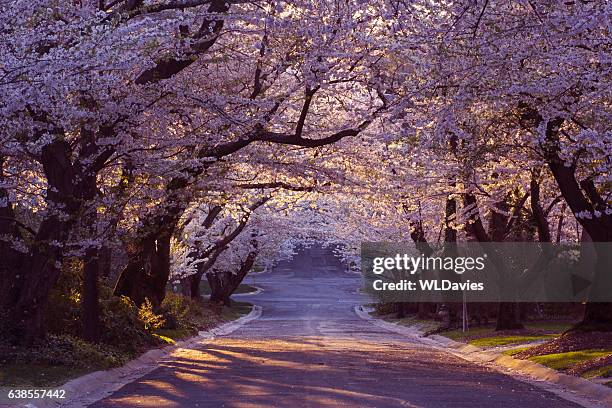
310	349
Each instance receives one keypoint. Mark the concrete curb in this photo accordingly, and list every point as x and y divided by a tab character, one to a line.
572	388
86	390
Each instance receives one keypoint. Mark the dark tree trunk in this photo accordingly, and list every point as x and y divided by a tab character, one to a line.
580	197
219	292
223	284
27	315
11	280
146	274
598	313
453	301
191	285
91	264
105	260
42	267
91	308
424	310
597	317
401	310
508	316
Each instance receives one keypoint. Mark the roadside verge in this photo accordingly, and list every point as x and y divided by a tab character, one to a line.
568	387
95	386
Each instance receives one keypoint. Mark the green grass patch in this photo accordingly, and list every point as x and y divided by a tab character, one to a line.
514	351
496	341
38	375
460	335
175	334
237	310
561	361
164	339
241	289
485	336
553	327
605	372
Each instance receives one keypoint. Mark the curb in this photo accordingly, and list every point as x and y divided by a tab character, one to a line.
100	384
582	391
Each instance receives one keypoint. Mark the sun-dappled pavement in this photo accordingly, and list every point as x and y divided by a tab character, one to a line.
309	349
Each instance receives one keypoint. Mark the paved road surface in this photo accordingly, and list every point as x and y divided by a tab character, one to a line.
309	349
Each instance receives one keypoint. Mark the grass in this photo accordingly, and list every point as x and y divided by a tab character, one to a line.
174	334
605	372
237	310
460	335
514	351
486	336
562	361
64	358
241	289
555	327
38	375
496	341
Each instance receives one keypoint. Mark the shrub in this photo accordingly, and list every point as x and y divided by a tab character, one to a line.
183	313
64	311
122	325
150	319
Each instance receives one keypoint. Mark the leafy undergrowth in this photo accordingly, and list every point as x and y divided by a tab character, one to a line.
577	353
585	354
571	341
602	368
128	331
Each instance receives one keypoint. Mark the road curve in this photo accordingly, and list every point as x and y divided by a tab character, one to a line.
309	349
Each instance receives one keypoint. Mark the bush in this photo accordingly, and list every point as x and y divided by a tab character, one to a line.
122	325
151	320
63	316
183	313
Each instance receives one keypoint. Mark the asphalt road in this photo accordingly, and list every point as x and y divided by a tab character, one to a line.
309	349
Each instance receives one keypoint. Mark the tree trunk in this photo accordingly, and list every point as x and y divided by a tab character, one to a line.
90	306
223	284
508	316
146	274
401	310
27	315
423	310
41	268
597	317
11	280
219	291
597	313
191	285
